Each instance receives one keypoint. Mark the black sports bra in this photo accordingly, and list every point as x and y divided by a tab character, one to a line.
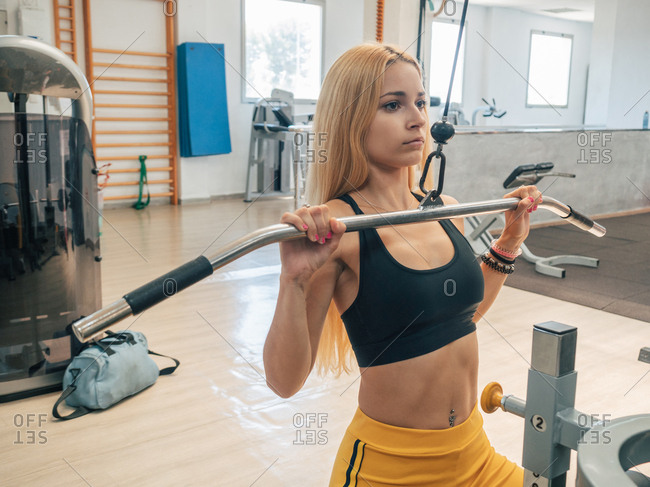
401	313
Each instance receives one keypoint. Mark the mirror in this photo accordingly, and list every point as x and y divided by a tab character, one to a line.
495	90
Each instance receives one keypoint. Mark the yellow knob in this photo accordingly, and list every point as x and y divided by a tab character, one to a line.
491	397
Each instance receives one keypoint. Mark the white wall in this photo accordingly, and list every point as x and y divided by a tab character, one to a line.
204	177
505	84
600	67
44	12
496	64
492	59
630	69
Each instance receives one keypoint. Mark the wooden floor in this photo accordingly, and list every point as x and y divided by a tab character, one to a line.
215	423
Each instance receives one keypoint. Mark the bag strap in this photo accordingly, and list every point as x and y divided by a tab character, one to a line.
166	370
130	339
80	411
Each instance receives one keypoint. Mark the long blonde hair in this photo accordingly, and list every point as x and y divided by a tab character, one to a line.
346	107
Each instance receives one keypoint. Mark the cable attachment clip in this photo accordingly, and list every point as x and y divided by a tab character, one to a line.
441	131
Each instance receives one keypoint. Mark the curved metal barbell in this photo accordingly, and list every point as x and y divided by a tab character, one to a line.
194	271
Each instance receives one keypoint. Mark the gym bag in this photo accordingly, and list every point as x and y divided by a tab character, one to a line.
107	371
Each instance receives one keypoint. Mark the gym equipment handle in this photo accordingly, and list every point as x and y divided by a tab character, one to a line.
493	398
169	284
193	272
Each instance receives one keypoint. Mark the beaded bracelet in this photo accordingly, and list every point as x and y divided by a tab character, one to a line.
508	254
497	266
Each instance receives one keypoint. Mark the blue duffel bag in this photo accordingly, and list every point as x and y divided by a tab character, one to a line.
107	371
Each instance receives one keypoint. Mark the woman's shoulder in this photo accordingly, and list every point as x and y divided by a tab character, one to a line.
448	200
459	222
349	245
339	208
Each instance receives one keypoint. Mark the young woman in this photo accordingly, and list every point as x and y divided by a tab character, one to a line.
409	295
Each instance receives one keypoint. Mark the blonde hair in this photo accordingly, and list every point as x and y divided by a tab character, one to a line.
346	107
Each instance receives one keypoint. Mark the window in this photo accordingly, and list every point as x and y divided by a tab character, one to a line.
444	37
549	69
282	48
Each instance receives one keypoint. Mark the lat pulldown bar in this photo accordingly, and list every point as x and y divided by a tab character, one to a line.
194	271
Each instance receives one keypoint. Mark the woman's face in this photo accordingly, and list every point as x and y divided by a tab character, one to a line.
397	133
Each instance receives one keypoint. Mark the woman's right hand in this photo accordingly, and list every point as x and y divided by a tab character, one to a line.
303	256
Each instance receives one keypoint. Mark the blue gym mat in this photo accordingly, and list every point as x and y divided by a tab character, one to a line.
202	101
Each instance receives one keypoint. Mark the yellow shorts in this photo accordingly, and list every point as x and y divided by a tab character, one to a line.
377	454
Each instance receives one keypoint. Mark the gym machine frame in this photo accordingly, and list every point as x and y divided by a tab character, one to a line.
274	121
32	67
607	448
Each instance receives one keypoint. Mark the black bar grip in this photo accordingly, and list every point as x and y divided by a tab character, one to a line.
168	284
579	220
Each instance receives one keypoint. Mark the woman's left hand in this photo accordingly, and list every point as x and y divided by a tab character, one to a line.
518	220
